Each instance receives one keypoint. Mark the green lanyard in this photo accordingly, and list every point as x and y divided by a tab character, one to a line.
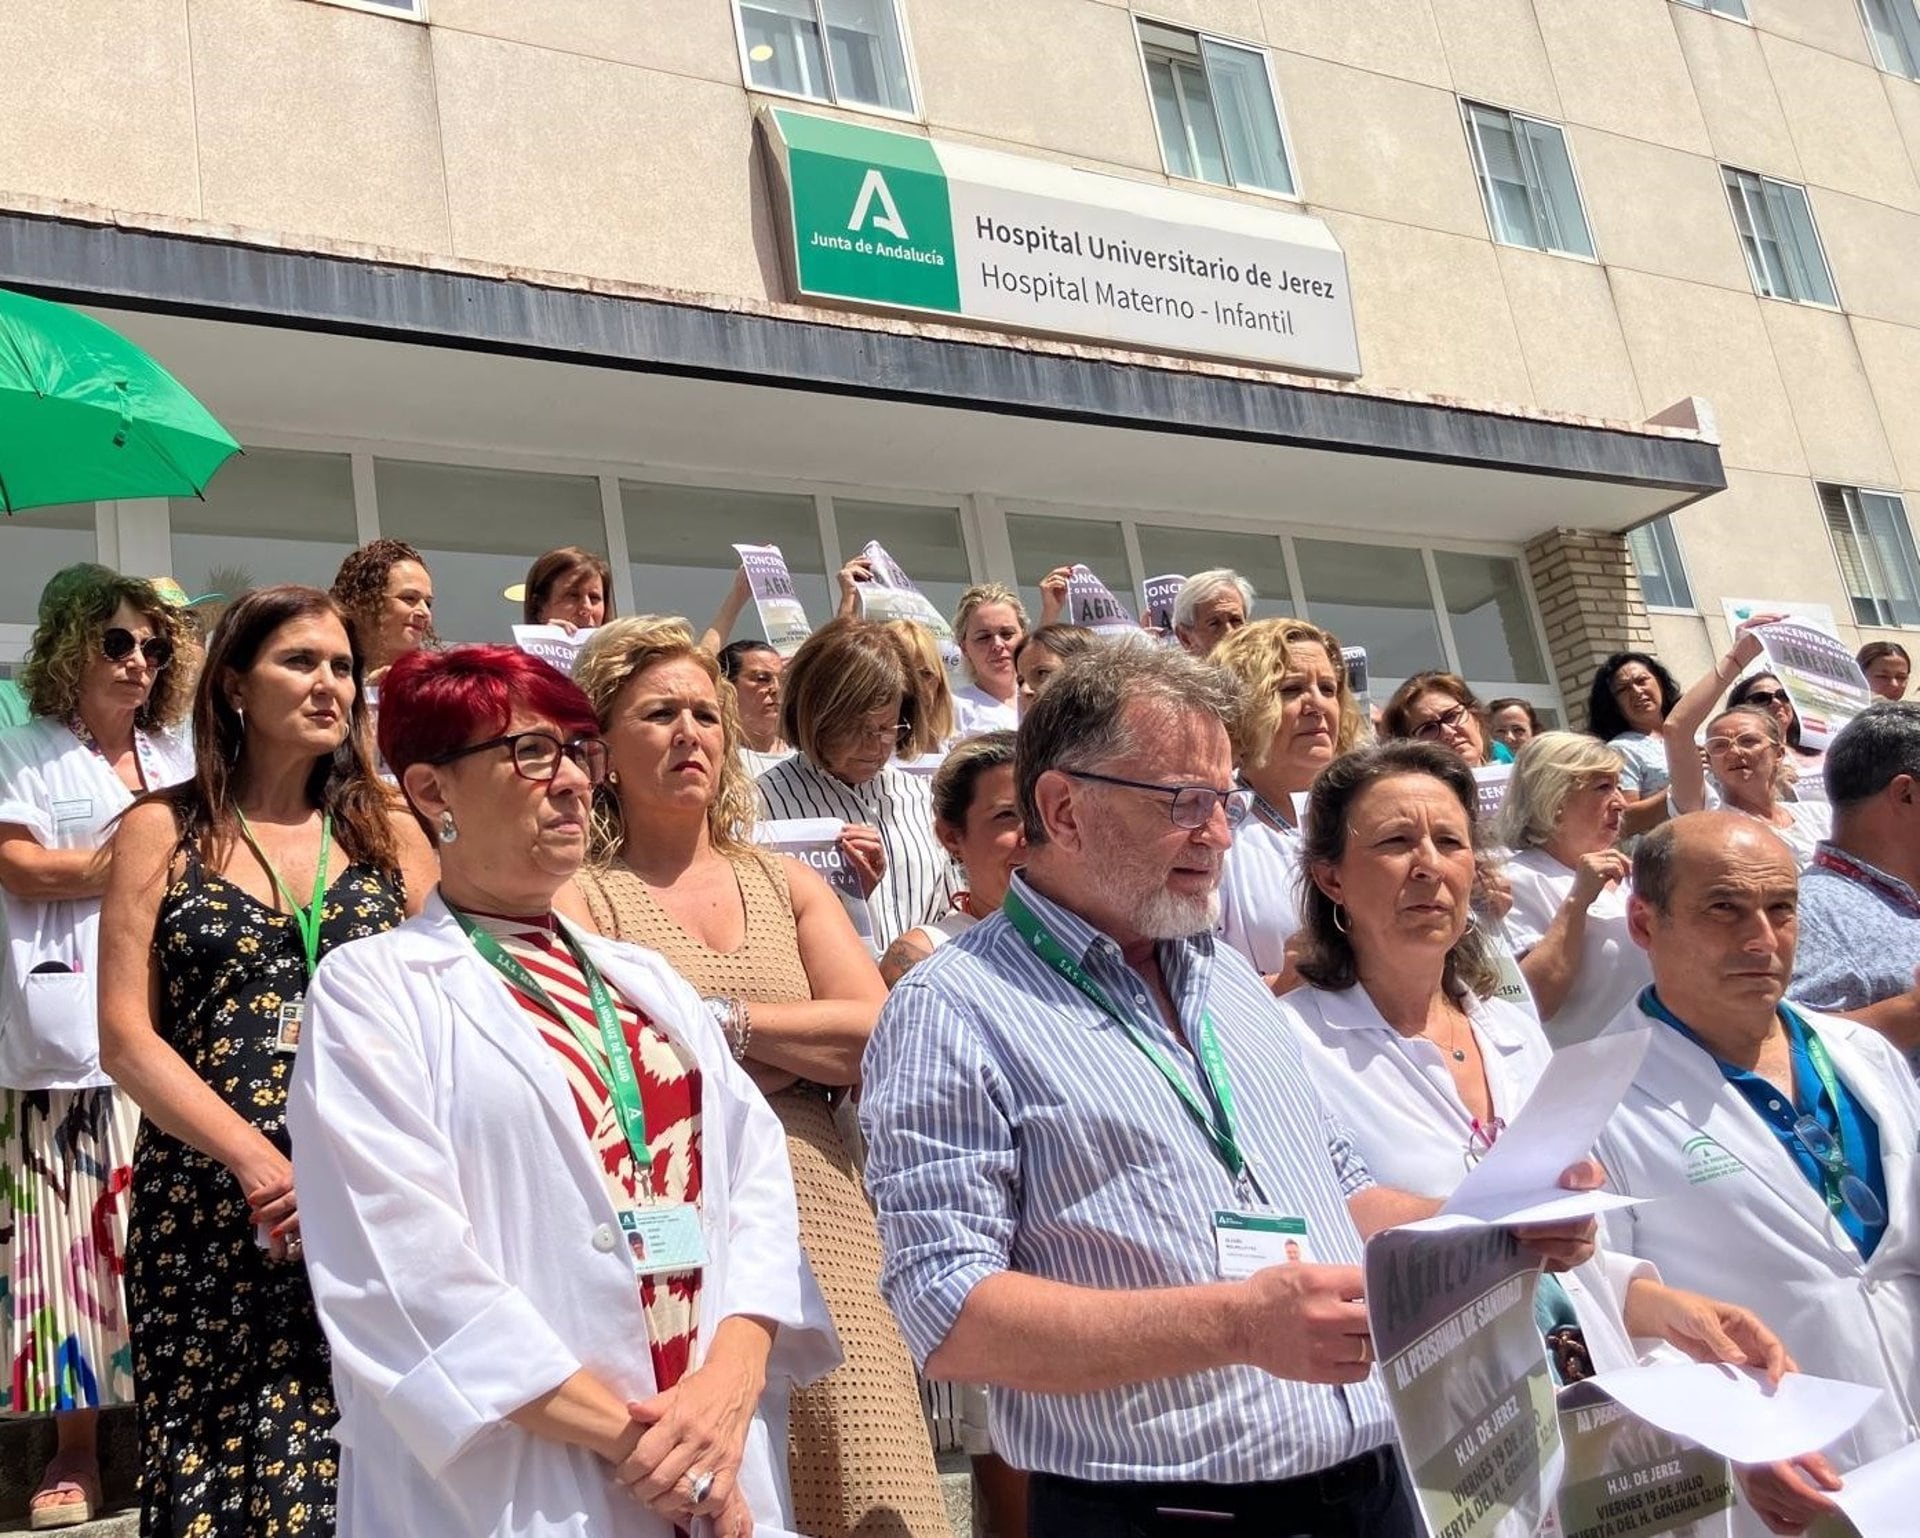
307	919
610	1053
1823	1071
1219	1128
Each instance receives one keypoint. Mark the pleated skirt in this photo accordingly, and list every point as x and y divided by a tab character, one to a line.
68	1158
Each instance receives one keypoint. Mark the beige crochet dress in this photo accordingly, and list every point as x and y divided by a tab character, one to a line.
861	1460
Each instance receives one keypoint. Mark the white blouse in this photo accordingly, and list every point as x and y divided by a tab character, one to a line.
1260	893
975	711
1613	969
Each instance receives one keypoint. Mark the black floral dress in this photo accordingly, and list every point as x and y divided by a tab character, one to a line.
232	1375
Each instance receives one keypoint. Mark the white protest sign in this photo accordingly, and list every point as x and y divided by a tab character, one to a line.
1627	1479
892	595
1158	595
815	841
781	617
1820	676
1490	789
1466	1376
1354	660
1090	602
552	643
1739	610
1735	1412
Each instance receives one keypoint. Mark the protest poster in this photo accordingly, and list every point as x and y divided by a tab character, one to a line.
1158	595
815	841
1490	789
1466	1375
1818	615
892	595
552	643
1091	603
1627	1479
1820	676
781	617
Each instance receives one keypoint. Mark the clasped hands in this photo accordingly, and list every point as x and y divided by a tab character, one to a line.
697	1427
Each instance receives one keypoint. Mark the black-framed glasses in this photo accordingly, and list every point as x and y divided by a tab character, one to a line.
1767	697
1192	805
536	755
118	644
1446	721
1855	1194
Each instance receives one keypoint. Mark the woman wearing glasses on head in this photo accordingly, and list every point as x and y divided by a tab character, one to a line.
1746	756
549	1219
1411	1052
224	895
105	695
851	703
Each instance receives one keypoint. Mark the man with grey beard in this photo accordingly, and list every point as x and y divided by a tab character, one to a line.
1095	1155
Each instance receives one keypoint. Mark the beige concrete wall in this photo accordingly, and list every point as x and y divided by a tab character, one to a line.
589	138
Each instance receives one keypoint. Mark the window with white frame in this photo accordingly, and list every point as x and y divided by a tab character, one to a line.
1776	231
1734	8
1873	542
850	52
270	515
411	10
1215	107
39	542
1656	557
1526	180
680	551
1894	26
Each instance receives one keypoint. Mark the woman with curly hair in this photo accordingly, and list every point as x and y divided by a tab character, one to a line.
226	893
387	594
768	945
104	691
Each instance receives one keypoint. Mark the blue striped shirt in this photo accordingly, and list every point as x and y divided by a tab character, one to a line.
1012	1126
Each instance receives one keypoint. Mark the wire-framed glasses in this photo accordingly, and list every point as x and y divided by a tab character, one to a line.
1192	805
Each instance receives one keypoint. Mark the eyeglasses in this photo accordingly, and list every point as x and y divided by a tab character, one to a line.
1767	697
536	755
117	645
1192	805
1746	742
898	734
1446	721
1855	1194
1481	1136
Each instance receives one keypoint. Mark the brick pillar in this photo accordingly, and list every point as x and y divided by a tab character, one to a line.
1591	606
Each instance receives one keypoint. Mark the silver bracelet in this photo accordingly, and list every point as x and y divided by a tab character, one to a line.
741	1035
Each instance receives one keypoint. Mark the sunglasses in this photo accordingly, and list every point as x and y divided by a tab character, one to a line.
117	645
1766	697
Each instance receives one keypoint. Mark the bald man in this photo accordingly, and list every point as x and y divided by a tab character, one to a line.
1779	1142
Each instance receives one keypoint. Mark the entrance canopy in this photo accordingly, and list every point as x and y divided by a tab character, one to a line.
292	343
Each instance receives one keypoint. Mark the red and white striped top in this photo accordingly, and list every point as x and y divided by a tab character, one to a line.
670	1095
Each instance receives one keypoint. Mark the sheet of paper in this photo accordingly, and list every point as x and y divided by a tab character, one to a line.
1879	1496
552	644
1556	1128
1732	1410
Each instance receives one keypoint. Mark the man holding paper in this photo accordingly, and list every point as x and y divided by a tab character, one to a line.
1092	1142
1780	1142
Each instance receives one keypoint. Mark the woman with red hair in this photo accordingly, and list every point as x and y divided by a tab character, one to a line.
549	1220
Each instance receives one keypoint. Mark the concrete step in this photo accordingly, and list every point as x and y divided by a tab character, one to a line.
27	1441
121	1524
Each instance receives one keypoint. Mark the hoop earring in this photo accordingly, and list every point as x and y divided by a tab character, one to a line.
1339	919
448	832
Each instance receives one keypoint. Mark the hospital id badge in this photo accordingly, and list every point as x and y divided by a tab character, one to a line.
286	1035
664	1239
1246	1240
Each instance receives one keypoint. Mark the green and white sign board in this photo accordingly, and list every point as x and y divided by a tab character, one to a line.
902	222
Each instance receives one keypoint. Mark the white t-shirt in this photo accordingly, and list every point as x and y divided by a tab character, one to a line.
1260	893
1646	763
66	796
975	711
1613	969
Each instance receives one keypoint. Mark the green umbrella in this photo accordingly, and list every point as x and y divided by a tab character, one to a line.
85	416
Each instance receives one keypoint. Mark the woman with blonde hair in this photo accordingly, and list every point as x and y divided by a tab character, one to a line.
1297	716
1565	810
1746	757
931	669
770	948
851	703
989	625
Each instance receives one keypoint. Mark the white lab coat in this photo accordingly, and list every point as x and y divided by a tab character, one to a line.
466	1257
66	796
1736	1219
